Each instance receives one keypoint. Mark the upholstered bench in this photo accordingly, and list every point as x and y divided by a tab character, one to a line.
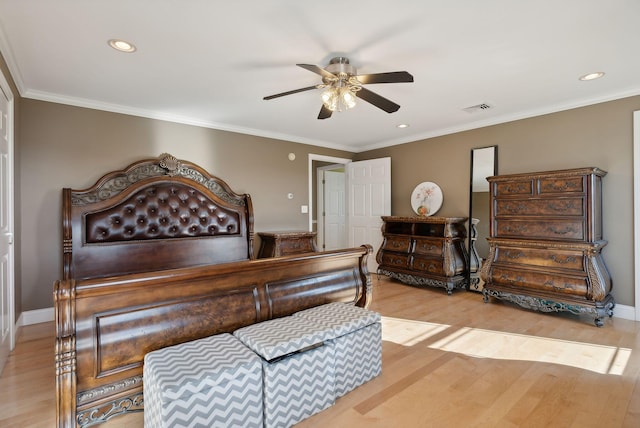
357	342
298	369
210	382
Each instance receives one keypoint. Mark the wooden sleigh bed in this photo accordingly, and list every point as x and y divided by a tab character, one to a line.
161	253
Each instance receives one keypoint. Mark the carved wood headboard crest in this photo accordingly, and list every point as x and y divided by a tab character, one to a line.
112	184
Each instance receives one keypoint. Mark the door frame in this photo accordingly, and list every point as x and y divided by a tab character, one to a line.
636	210
6	88
311	172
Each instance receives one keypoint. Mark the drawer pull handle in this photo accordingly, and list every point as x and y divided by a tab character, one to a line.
560	207
514	229
562	231
513	255
428	247
568	259
515	209
564	286
517	188
562	186
506	278
429	267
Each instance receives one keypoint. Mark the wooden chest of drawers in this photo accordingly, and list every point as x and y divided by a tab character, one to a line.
546	242
424	251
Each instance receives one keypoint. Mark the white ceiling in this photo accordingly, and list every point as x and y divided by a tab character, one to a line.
210	62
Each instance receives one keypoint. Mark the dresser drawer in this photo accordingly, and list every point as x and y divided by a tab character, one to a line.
552	258
400	244
512	188
562	185
296	246
425	264
394	259
540	281
428	247
535	207
569	229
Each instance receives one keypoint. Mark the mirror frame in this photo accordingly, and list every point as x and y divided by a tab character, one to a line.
470	228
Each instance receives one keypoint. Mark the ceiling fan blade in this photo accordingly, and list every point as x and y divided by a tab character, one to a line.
325	113
377	100
392	77
315	69
295	91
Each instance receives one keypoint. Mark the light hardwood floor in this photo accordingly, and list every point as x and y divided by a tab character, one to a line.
448	361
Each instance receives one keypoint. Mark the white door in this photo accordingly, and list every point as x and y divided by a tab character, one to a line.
332	224
6	223
369	198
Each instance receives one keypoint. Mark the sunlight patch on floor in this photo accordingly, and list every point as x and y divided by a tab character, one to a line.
409	332
509	346
481	343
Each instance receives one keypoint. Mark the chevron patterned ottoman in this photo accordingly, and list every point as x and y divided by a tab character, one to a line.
298	370
357	342
210	382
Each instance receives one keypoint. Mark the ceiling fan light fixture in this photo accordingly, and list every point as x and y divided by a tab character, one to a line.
342	85
338	98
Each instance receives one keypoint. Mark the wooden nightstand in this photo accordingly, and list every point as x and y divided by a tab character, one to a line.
274	244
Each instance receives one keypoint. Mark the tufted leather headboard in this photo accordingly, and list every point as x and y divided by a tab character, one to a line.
162	211
155	214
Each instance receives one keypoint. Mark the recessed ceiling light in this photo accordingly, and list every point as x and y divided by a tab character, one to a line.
402	125
592	76
122	45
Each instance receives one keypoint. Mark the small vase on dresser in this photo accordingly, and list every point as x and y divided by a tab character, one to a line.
546	242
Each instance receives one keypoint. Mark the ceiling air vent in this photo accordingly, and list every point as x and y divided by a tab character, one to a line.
477	108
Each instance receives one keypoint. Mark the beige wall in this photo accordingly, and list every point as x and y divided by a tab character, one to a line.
64	146
599	135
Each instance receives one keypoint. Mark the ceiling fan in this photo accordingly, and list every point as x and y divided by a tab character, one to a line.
342	85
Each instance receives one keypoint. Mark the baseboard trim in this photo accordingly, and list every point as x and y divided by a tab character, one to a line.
35	317
624	312
45	315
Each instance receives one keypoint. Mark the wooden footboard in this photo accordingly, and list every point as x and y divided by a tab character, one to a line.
105	326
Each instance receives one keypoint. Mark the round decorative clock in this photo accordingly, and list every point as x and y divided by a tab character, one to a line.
426	198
